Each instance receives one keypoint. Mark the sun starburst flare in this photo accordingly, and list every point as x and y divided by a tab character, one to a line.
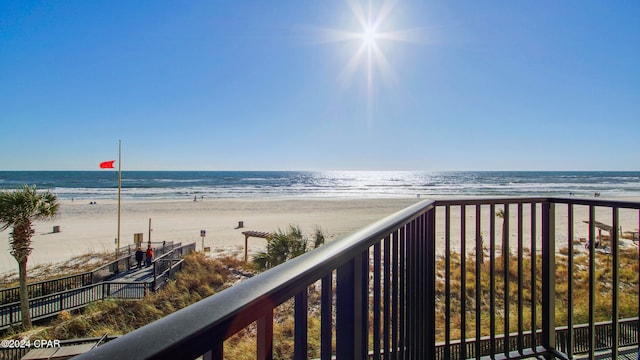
374	33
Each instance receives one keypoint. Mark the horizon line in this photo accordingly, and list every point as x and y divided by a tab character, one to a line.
289	170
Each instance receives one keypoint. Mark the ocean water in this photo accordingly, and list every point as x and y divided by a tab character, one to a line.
291	184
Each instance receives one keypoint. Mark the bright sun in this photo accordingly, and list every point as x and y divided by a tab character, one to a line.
369	36
369	55
373	35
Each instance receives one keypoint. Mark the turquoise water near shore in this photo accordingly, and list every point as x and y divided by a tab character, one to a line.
374	184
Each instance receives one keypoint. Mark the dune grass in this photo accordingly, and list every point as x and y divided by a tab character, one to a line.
200	278
627	296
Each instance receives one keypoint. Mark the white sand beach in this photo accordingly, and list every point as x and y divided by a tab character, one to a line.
92	228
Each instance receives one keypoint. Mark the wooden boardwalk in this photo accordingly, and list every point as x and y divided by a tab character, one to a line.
628	353
129	284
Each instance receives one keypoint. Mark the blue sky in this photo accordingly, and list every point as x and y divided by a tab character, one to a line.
266	85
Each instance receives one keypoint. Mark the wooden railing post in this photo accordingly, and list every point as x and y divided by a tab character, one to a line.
548	276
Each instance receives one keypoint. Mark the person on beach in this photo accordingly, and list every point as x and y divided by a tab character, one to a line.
139	257
149	254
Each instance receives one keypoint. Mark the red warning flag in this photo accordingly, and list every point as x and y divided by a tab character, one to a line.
107	164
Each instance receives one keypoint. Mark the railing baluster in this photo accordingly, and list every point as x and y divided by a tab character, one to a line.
349	305
387	298
301	314
411	292
414	290
423	285
548	276
570	269
395	296
615	335
430	288
376	300
264	343
403	293
216	352
447	279
534	278
326	319
505	269
492	277
463	283
520	283
420	286
363	301
592	281
478	270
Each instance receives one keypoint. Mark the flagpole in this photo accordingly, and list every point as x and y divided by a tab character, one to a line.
119	187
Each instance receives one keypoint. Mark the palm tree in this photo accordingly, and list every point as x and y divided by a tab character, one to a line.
19	209
283	246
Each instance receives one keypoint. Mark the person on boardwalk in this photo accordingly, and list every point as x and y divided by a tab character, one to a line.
139	257
149	254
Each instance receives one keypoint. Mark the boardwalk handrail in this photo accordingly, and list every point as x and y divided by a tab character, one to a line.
45	287
51	304
165	246
166	265
126	262
386	285
41	288
161	279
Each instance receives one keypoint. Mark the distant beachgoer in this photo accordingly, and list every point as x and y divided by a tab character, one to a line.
139	257
194	198
149	254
